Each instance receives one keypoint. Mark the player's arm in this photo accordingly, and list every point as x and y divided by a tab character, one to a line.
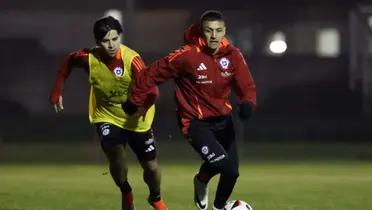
244	87
78	59
138	67
152	76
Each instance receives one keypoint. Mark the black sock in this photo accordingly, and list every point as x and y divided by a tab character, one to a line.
154	196
125	187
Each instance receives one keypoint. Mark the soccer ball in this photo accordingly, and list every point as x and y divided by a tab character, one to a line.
238	205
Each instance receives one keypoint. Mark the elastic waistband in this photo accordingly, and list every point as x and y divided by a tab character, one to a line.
216	118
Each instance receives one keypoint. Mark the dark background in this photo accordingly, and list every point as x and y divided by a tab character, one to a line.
301	96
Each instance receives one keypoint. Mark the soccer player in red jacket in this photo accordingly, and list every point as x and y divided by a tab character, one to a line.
205	70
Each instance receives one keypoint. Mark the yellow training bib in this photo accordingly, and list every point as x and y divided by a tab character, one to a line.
110	89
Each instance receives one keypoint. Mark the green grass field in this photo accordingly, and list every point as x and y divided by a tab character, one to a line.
78	179
267	186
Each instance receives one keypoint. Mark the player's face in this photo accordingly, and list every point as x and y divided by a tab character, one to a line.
213	32
111	43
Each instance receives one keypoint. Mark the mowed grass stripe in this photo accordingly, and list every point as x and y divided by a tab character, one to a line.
275	185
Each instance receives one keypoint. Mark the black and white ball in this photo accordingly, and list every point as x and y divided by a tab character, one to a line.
238	205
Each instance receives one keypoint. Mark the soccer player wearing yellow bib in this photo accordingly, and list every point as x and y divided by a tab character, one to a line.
111	66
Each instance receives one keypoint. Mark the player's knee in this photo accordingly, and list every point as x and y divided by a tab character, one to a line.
150	166
225	167
219	163
118	165
231	173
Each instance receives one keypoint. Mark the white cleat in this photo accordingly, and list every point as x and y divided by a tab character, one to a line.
200	194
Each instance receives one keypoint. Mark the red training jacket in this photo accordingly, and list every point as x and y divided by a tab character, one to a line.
203	80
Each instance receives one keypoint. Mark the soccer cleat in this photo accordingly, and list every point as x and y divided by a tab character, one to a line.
200	194
158	205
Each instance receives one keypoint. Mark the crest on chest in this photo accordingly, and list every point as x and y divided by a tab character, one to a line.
225	67
224	63
118	72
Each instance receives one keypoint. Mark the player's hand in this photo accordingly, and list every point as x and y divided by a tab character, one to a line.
58	107
245	110
129	108
141	112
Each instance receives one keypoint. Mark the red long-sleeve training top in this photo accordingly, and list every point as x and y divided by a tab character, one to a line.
203	80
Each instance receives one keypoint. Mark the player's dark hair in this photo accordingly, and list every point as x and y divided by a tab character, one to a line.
211	15
104	25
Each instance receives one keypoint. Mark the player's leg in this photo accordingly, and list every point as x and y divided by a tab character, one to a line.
230	172
203	140
228	178
143	145
114	149
152	177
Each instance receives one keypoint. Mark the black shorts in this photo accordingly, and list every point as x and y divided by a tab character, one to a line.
214	138
142	143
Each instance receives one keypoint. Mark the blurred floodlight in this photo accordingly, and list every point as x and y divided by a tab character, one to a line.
115	13
277	44
328	42
370	22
